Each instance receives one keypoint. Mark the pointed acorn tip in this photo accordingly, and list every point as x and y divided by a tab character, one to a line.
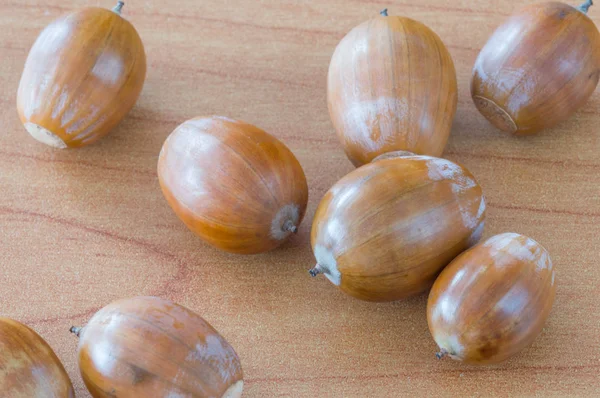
442	354
75	330
315	271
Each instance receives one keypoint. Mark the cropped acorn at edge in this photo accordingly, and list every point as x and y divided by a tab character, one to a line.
82	76
28	365
152	347
391	86
234	185
538	68
385	230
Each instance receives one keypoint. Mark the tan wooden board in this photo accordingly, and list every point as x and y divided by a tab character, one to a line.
81	228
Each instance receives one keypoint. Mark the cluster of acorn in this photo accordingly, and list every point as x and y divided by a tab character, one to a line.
404	221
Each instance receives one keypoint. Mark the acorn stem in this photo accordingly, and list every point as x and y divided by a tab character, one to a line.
585	6
76	330
290	227
315	271
442	354
118	7
384	12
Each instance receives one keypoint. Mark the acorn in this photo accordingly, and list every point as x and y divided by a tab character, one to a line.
493	300
28	365
82	76
151	347
538	68
234	185
386	230
391	87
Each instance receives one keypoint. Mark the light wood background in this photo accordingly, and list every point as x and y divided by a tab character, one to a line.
81	228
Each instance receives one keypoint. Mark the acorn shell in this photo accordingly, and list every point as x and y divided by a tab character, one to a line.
237	187
82	76
537	69
151	347
28	366
391	86
493	300
384	231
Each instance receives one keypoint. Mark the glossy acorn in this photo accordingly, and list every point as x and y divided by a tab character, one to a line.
28	365
493	300
151	347
237	187
82	76
384	231
538	68
391	86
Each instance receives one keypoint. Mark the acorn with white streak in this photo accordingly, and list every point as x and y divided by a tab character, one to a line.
493	300
153	347
538	68
391	86
385	230
83	74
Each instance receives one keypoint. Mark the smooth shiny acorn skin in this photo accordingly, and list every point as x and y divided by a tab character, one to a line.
29	368
384	231
391	86
82	76
237	187
537	69
493	300
151	347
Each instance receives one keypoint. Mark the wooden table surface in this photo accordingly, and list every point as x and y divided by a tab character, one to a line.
81	228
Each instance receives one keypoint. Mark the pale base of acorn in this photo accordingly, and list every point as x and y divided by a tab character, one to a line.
327	264
289	214
235	390
495	114
45	136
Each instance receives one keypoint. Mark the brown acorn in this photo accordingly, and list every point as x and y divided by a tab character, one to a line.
385	230
391	87
82	76
492	300
151	347
538	68
234	185
28	366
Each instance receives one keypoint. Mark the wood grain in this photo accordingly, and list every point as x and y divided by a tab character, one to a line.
82	228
